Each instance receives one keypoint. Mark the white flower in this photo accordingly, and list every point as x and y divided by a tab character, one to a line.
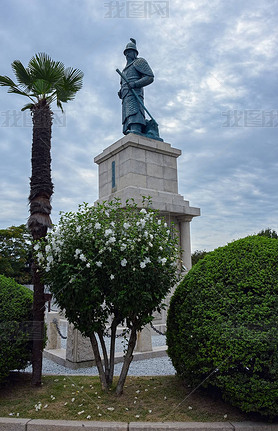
150	244
80	413
142	222
112	277
143	211
160	248
49	259
123	262
225	416
107	214
162	260
99	264
111	240
72	400
82	257
147	260
151	236
159	222
88	417
108	232
47	248
142	265
45	407
137	416
146	234
189	408
112	224
77	252
37	246
150	411
123	247
88	265
40	256
165	225
78	229
97	225
126	225
111	409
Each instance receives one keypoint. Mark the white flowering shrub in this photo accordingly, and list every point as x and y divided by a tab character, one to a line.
109	261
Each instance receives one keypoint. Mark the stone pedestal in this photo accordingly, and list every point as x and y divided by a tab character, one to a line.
144	340
136	166
53	338
79	348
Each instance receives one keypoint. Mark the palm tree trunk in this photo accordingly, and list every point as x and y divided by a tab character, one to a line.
41	189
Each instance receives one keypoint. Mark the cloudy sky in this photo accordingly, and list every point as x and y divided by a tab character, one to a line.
214	97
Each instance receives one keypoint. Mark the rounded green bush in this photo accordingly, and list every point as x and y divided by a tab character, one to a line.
223	324
15	326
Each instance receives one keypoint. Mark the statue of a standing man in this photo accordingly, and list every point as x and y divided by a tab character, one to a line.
139	74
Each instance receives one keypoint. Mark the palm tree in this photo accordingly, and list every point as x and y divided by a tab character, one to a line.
44	81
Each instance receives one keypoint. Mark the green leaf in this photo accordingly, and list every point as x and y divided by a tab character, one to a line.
43	67
23	75
6	81
69	85
28	106
42	87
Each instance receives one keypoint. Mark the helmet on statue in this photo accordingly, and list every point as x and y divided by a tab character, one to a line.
131	45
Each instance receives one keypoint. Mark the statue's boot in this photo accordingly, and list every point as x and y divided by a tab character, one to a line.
135	128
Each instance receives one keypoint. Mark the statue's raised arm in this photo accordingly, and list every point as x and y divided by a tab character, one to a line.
136	75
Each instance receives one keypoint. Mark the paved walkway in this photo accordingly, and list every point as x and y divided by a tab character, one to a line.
14	424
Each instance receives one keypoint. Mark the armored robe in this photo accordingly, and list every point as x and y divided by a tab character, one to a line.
139	72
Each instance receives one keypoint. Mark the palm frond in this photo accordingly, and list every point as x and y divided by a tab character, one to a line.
69	85
22	74
44	78
27	106
42	87
17	90
6	81
13	87
41	66
59	104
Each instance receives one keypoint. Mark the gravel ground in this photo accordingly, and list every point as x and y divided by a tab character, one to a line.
148	367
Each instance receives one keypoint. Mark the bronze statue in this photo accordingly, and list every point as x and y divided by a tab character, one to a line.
136	75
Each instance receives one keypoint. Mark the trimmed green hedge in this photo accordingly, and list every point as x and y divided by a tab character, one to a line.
223	324
15	325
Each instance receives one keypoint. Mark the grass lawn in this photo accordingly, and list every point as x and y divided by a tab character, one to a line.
160	398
